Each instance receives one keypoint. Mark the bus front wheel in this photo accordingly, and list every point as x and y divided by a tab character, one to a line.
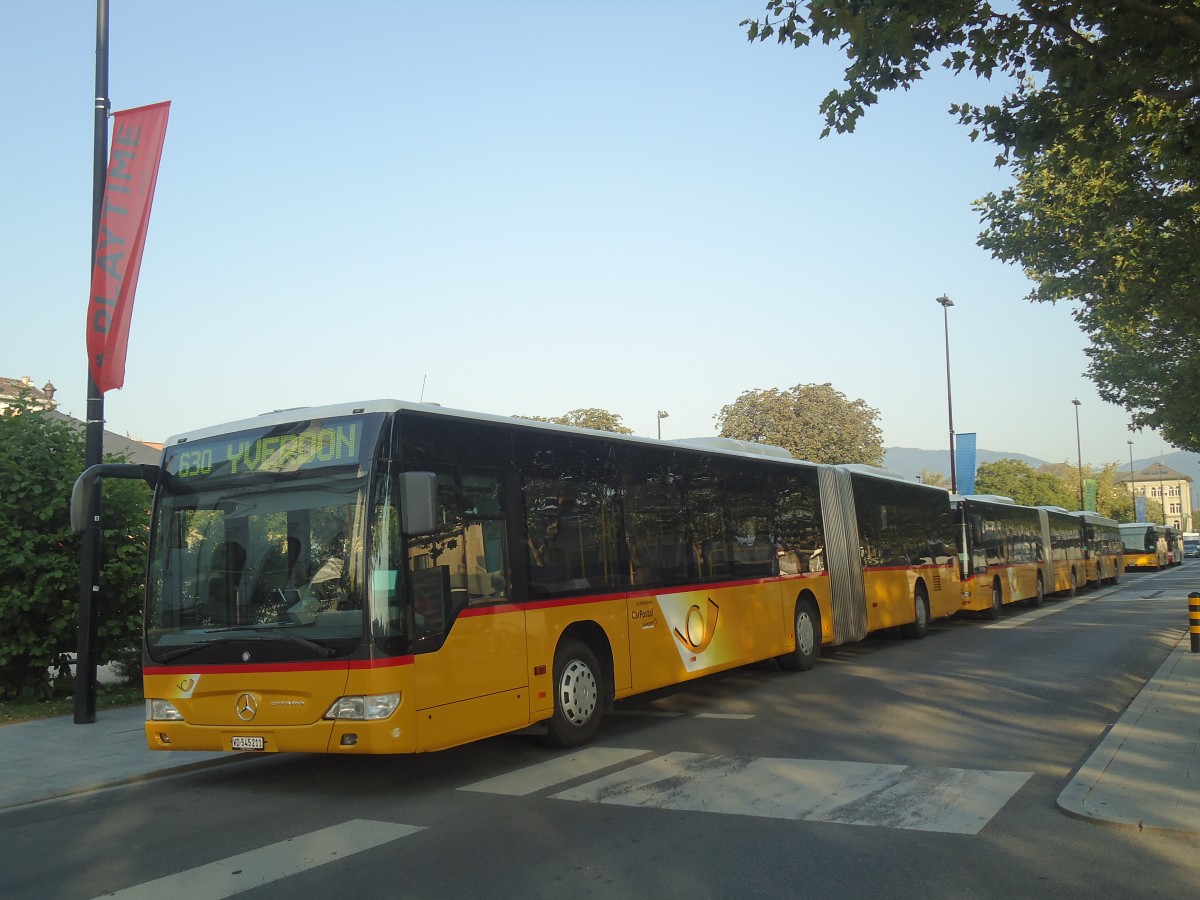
992	613
578	696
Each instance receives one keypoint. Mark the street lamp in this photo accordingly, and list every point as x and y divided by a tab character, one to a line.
946	303
1079	453
662	414
1130	443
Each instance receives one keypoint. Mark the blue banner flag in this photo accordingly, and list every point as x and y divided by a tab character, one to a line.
964	462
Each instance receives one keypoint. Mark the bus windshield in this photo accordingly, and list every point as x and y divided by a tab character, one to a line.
264	561
245	563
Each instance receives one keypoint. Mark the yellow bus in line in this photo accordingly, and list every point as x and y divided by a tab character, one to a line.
1062	535
1002	549
1103	552
390	577
1145	545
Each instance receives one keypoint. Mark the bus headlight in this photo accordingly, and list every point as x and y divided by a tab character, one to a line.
162	711
368	706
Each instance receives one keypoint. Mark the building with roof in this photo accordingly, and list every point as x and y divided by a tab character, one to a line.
43	398
1171	488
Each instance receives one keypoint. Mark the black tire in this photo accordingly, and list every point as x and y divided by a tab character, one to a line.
1040	595
919	627
808	639
992	613
578	695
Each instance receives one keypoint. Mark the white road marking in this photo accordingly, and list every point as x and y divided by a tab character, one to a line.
266	864
563	768
1025	618
957	801
654	713
735	716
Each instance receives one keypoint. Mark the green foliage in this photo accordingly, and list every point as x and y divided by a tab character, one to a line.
814	421
1055	485
1024	484
40	458
1111	233
1100	127
596	419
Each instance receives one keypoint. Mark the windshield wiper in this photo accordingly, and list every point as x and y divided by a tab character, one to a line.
181	651
322	650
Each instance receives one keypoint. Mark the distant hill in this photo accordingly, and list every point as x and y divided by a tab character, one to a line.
910	462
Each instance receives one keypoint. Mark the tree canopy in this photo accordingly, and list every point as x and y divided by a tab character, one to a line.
40	458
1055	485
814	421
1100	128
591	417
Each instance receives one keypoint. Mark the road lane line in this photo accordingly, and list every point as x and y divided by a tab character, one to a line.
255	868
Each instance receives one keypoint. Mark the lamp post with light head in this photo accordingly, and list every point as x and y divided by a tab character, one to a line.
946	303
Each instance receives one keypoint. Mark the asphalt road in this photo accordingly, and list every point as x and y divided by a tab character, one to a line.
894	769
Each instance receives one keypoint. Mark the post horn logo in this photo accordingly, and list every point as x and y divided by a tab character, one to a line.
699	628
247	707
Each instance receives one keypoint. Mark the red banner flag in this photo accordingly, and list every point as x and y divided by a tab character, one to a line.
137	144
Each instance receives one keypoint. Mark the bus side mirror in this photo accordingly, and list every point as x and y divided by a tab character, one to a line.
418	501
81	492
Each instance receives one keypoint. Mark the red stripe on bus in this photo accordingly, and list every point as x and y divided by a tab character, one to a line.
242	668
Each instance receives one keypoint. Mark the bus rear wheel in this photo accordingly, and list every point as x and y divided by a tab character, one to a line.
808	639
919	626
578	696
1040	593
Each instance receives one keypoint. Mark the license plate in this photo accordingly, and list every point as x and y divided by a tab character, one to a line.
240	742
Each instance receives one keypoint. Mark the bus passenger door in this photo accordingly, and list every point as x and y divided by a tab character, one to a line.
470	661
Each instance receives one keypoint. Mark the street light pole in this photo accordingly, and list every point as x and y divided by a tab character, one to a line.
1078	453
662	414
1132	492
946	303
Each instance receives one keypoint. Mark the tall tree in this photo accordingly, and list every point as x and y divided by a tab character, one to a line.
1024	484
1100	128
813	421
40	458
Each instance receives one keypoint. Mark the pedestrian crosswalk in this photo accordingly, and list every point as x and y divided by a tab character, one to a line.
948	800
920	798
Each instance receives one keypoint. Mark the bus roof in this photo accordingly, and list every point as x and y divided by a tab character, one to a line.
1093	518
724	446
299	413
986	498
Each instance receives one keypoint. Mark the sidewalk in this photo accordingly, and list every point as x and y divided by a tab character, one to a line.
50	758
1145	773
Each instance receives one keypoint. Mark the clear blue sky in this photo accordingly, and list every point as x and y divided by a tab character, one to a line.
523	207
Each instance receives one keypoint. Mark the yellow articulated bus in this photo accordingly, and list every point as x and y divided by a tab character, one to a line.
392	577
1001	546
1145	545
1103	551
1062	535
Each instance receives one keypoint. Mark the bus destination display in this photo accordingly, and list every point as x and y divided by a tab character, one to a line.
275	451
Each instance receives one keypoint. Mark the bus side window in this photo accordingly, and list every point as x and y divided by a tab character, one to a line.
463	561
